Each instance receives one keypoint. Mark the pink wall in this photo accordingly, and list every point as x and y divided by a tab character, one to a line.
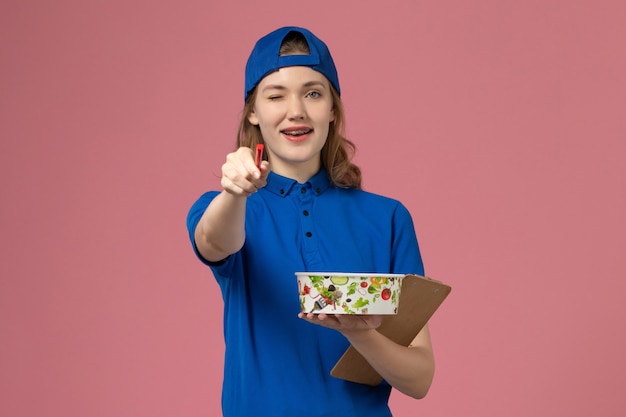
500	124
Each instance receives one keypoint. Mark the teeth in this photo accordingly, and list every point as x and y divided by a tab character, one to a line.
297	132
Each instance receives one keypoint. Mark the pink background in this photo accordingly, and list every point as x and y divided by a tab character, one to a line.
500	125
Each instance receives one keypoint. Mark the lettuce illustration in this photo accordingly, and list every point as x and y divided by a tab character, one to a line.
360	303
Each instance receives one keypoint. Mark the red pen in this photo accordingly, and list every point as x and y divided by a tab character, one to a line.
259	155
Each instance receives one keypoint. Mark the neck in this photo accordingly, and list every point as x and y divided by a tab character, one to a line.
300	172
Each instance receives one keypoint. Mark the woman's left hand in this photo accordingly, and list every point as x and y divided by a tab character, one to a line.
344	322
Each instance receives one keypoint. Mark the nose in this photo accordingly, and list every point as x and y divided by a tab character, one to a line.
296	110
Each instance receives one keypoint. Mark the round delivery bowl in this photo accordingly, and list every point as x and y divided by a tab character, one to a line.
349	293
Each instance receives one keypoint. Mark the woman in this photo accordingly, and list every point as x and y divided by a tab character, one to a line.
302	209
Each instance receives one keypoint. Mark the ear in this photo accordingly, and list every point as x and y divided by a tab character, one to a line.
332	114
252	118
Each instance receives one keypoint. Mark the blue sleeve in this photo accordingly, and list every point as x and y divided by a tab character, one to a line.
193	218
406	256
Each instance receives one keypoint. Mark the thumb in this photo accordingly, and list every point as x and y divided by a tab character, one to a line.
265	169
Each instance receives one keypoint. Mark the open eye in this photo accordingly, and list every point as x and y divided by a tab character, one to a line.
313	94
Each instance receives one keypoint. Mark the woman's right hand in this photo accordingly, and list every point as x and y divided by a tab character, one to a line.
240	175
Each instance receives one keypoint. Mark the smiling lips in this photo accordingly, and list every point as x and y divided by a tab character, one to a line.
296	133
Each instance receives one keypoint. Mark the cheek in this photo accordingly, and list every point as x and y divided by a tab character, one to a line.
269	117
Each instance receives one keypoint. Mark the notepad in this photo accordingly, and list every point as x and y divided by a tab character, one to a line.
420	297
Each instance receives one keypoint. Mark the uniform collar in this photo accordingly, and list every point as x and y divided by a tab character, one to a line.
282	186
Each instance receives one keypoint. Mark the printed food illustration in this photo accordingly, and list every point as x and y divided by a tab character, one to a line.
349	293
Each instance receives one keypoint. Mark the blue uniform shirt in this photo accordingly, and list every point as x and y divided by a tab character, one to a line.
277	364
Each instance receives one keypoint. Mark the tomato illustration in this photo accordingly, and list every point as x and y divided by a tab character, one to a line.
386	294
364	284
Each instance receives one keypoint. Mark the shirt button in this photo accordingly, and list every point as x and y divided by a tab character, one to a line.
309	234
317	191
282	191
303	190
305	212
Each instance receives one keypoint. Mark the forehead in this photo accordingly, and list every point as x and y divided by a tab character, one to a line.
293	77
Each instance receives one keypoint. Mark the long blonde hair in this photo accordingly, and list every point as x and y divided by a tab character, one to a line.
337	152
